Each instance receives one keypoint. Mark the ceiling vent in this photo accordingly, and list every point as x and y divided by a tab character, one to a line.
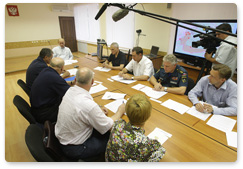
60	8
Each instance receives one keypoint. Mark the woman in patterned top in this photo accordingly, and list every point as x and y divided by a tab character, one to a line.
127	141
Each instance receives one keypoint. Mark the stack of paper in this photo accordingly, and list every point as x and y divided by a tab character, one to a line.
103	69
69	62
72	72
221	123
153	93
96	89
138	86
203	116
231	139
115	96
113	106
120	79
159	135
178	107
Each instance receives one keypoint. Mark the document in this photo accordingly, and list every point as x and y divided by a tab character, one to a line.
69	62
178	107
138	87
113	106
102	69
231	139
96	89
120	79
203	116
159	135
221	123
153	93
115	96
72	72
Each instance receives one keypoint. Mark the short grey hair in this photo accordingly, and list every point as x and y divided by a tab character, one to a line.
57	62
115	44
170	58
84	75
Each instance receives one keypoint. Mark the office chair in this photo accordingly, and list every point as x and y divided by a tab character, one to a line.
52	146
33	140
190	85
22	84
24	108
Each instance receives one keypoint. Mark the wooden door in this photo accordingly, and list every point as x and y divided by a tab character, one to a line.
68	33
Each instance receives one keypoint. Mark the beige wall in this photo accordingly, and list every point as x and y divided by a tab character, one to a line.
37	22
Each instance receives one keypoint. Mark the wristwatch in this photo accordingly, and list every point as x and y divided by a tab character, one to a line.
165	89
133	78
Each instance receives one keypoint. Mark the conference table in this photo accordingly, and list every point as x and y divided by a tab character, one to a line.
192	139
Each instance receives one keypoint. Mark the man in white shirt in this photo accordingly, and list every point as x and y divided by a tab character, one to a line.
226	54
141	66
82	126
62	51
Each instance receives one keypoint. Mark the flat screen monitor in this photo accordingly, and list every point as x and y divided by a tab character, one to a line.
183	40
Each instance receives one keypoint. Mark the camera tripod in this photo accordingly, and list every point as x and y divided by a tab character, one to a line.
206	65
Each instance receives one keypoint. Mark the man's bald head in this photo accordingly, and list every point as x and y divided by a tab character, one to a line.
84	76
57	62
61	42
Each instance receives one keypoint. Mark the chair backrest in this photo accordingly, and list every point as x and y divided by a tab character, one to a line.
24	108
34	142
51	143
190	85
23	85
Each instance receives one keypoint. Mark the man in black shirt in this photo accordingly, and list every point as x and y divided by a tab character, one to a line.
117	59
38	65
47	92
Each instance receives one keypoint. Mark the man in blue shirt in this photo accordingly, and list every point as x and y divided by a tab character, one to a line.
218	92
47	92
38	65
171	77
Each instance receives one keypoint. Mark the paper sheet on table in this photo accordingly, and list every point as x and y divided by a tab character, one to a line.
138	86
159	135
102	69
69	62
72	72
96	89
153	93
221	123
203	116
231	139
113	106
120	79
111	95
178	107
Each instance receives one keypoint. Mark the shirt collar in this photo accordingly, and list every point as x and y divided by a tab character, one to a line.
223	86
83	91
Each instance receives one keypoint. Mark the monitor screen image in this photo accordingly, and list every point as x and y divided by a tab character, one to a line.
184	38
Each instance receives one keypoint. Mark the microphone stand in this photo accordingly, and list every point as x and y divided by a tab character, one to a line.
158	17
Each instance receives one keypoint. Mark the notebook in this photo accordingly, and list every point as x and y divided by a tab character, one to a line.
153	52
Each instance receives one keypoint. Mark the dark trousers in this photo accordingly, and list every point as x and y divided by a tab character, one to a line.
94	146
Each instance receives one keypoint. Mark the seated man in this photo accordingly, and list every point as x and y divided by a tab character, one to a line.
141	66
82	126
117	59
47	92
127	140
218	92
38	65
62	51
171	77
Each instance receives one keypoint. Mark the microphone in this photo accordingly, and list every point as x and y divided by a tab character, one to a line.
101	11
121	13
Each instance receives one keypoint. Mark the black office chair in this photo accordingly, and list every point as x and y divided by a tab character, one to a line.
190	85
24	109
22	84
33	140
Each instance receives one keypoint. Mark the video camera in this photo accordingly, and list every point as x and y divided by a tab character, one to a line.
207	42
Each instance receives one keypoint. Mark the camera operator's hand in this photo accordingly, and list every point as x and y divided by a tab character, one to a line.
208	56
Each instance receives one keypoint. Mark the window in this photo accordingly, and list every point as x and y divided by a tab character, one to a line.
121	31
87	28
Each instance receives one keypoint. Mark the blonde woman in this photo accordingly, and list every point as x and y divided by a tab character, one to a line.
127	141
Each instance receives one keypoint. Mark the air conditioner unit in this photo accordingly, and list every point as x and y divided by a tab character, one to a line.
60	8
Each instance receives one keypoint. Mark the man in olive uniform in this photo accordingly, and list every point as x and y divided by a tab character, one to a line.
171	77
